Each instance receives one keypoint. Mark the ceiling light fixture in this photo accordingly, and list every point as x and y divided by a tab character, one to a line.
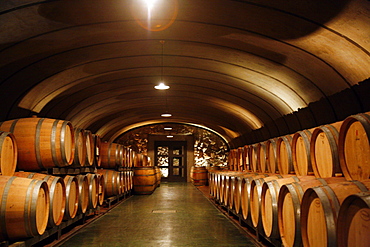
167	128
162	85
169	136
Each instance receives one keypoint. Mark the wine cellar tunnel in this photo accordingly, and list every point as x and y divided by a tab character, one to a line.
242	92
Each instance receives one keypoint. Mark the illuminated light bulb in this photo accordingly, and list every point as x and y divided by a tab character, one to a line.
169	136
166	115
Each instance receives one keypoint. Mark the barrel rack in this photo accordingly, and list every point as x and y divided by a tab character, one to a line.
69	227
247	226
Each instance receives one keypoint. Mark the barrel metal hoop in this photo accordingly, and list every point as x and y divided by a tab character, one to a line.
12	126
53	143
63	133
109	147
360	185
322	181
295	178
274	189
330	216
2	138
3	228
37	143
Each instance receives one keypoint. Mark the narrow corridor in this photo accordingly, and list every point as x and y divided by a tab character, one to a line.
176	214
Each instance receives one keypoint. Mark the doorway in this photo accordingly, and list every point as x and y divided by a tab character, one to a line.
170	157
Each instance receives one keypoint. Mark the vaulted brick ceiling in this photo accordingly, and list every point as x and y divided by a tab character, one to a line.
233	66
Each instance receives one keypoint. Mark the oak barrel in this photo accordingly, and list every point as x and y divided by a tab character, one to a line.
245	186
42	143
324	151
269	202
57	195
253	163
101	185
354	221
112	182
83	192
271	154
289	208
80	148
301	153
261	157
72	195
93	181
90	148
8	153
255	198
319	210
354	147
144	180
24	208
111	155
199	175
284	154
97	147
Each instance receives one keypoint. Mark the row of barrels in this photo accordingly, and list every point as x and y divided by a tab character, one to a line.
33	202
36	144
146	179
297	210
337	149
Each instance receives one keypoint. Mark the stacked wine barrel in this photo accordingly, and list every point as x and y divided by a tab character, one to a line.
52	172
308	188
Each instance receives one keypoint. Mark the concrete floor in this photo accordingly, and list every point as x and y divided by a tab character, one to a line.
176	214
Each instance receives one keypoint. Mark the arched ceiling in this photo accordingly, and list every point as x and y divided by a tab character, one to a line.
232	65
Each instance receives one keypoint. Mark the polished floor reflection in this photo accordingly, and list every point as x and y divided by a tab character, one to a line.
176	214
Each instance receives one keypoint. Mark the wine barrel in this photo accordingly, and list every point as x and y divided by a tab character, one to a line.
83	192
72	195
101	186
269	202
112	182
301	154
24	208
111	155
42	143
97	147
255	198
245	186
289	208
57	195
354	221
261	157
144	180
284	154
253	158
90	148
324	151
199	175
93	181
80	148
319	210
246	154
9	153
354	147
271	156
